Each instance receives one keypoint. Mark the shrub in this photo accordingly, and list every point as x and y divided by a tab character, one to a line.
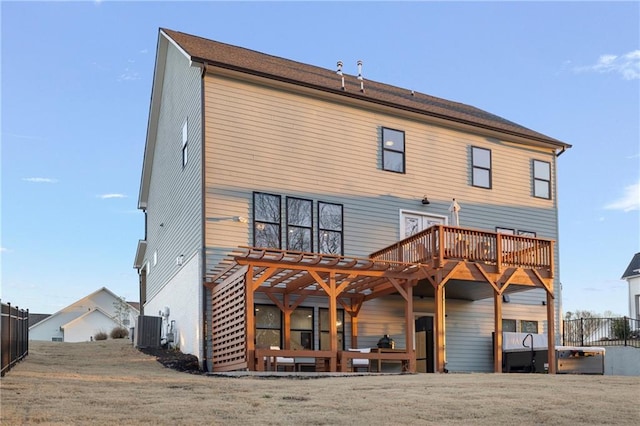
100	335
620	328
119	333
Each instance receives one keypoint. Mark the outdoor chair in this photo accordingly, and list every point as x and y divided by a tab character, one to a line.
360	362
285	362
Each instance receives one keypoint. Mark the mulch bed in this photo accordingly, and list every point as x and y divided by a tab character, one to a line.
174	359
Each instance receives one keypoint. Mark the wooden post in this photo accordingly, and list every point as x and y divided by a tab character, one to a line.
250	320
499	252
497	340
441	248
551	333
439	327
333	318
286	322
409	333
354	330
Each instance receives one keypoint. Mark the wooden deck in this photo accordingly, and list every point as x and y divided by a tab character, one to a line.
438	244
471	263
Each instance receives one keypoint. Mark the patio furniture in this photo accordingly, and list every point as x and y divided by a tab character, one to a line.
282	361
360	362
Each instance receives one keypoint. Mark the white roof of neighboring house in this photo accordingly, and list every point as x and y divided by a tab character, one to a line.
73	314
89	313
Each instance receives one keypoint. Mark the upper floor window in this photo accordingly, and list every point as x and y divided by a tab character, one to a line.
392	150
299	224
266	223
185	139
481	167
541	179
330	228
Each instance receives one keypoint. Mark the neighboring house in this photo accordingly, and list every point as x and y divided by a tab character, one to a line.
100	311
36	318
295	206
632	275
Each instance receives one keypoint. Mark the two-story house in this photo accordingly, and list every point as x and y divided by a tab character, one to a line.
310	209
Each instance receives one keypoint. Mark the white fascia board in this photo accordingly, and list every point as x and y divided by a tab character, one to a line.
140	252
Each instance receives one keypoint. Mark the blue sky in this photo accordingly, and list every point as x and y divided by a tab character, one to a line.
76	84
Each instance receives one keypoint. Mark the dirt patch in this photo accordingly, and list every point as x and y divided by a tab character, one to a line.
174	359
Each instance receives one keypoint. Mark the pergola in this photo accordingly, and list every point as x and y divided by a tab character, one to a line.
505	264
287	278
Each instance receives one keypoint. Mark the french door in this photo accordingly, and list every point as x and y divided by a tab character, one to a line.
413	222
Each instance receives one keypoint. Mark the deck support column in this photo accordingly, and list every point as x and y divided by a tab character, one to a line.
439	328
333	319
286	322
497	339
551	333
354	331
409	333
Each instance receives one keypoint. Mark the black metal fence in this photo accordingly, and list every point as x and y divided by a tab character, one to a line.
622	331
14	332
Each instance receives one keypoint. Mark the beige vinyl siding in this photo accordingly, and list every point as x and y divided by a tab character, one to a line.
264	139
174	191
273	141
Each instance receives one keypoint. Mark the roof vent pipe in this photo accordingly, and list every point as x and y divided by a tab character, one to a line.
360	76
339	72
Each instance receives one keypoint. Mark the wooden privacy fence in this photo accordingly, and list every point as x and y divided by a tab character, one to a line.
14	331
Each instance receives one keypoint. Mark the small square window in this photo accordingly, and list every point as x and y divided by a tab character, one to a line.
541	179
509	325
480	167
393	150
529	327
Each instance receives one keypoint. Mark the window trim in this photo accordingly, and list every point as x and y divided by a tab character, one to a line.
321	229
257	222
385	149
474	167
289	225
537	179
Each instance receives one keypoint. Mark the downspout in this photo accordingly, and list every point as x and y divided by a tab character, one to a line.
206	329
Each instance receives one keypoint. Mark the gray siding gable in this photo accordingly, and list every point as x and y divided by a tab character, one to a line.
173	197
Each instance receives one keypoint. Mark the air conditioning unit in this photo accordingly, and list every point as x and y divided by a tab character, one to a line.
149	331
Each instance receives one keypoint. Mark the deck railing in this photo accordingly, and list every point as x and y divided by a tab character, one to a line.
438	243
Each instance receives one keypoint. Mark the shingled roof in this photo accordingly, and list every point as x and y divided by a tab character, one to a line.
633	270
248	61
